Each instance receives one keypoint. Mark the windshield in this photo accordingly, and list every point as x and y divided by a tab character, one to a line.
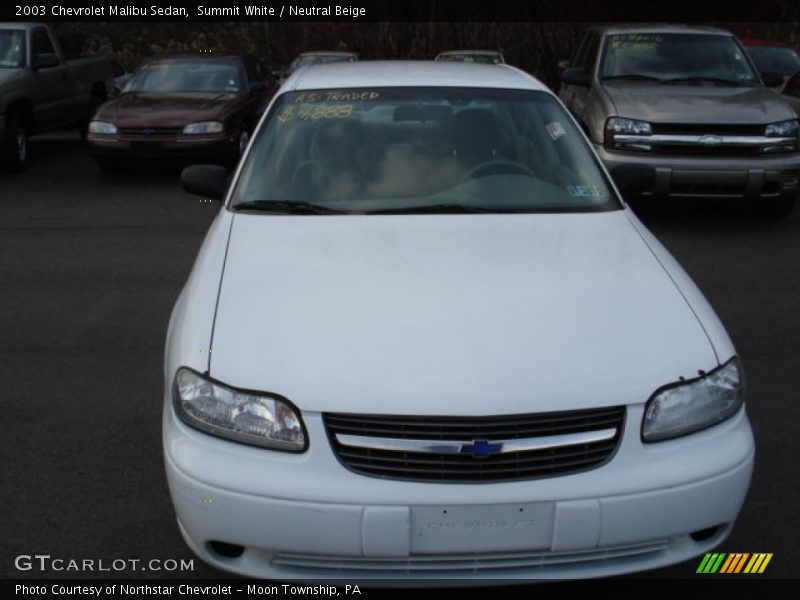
676	56
186	76
777	60
489	59
421	149
12	49
314	59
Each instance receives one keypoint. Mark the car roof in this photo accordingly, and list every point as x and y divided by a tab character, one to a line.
410	73
492	52
329	53
20	25
661	28
197	55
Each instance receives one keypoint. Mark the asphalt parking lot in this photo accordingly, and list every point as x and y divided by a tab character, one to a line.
90	266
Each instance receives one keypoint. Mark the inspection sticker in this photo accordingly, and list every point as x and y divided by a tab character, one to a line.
584	191
555	129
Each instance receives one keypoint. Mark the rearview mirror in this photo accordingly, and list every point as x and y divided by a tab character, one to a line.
210	181
44	61
576	76
633	179
772	79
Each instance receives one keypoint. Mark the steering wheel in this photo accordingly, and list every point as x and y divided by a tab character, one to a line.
494	166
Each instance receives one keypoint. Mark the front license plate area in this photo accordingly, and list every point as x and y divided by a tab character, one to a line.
146	147
482	528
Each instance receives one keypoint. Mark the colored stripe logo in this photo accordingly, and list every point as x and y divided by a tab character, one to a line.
734	562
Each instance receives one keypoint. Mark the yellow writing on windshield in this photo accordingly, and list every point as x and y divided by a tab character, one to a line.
315	113
335	96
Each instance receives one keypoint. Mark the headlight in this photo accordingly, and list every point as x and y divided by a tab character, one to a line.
203	127
789	130
248	417
782	129
102	128
686	407
627	134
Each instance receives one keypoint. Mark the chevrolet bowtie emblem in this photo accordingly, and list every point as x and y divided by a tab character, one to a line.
481	448
709	140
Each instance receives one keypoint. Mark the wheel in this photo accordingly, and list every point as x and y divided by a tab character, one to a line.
495	166
15	144
774	208
109	167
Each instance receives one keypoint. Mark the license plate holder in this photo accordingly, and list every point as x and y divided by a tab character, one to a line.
146	147
482	528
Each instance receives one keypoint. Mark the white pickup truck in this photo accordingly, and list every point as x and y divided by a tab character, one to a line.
41	90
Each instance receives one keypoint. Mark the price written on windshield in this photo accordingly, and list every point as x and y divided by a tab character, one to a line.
315	113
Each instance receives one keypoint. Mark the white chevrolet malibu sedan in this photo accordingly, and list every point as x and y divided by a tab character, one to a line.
426	338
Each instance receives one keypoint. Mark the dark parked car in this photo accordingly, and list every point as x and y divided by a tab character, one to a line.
772	57
489	57
317	58
182	108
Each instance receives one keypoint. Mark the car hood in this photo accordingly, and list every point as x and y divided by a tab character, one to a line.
661	103
164	110
450	314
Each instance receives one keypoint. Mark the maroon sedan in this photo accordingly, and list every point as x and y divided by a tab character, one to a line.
182	109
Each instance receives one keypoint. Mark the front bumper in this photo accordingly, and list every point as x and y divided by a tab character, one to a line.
182	149
305	516
764	177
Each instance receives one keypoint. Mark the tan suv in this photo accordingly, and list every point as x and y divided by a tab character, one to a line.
688	102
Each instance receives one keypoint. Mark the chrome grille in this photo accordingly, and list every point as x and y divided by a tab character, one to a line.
468	449
149	131
707	129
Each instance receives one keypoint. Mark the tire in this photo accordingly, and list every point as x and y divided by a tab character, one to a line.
14	144
774	208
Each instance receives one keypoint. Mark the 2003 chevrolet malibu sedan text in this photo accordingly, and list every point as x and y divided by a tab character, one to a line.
426	338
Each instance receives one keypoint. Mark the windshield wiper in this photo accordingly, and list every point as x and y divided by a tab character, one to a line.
451	208
287	207
632	77
720	80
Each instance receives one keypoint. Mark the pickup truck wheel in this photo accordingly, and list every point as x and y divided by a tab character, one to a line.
15	144
774	208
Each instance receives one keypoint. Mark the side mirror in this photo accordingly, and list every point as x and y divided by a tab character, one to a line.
210	181
577	77
44	61
563	64
772	79
633	179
